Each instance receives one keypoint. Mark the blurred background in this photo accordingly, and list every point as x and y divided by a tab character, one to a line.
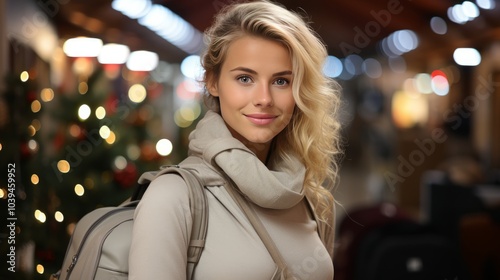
96	92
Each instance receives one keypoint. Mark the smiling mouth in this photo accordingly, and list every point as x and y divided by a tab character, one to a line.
261	119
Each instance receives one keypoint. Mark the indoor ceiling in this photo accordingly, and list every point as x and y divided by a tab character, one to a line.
338	22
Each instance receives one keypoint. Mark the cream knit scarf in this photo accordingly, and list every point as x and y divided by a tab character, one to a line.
279	186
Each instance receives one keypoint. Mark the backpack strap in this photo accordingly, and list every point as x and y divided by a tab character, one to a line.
197	204
325	229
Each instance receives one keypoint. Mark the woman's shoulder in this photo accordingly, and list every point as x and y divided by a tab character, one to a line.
165	188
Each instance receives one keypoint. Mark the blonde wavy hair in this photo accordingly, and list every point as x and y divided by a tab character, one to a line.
313	134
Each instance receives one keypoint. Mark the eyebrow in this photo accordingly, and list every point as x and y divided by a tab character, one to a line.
251	71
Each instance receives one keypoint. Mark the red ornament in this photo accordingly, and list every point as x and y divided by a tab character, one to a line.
126	177
25	150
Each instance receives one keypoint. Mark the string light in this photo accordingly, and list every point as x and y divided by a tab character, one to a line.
35	179
164	147
24	76
63	166
84	112
137	93
47	94
36	106
59	216
79	190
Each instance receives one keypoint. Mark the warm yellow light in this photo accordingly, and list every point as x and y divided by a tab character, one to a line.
111	138
36	106
104	131
59	216
40	216
35	179
409	109
40	269
63	166
75	130
24	76
137	93
84	112
120	162
180	121
100	112
31	130
36	124
33	145
47	94
83	88
133	152
164	147
79	190
187	113
3	193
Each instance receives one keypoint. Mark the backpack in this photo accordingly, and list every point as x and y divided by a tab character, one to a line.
99	246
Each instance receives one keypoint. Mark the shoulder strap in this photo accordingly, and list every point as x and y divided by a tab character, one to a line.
197	204
281	273
325	229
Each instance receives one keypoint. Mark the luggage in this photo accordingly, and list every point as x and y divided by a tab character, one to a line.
100	244
352	230
382	242
407	250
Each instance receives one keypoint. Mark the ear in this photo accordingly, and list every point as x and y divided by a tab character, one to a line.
212	86
212	89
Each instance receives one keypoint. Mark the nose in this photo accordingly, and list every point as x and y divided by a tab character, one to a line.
263	96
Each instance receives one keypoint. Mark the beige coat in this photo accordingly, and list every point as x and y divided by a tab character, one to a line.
232	250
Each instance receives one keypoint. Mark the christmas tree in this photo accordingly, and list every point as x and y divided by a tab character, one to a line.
81	146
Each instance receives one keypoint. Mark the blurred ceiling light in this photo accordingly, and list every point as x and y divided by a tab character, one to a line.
191	67
353	64
332	67
438	25
486	4
457	14
82	47
372	68
399	42
462	13
132	8
470	10
467	56
142	61
164	22
113	54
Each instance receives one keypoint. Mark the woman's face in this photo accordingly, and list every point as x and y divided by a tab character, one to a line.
255	90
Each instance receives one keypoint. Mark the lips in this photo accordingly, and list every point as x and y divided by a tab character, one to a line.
261	119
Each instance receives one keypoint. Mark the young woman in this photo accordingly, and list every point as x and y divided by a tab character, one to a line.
272	129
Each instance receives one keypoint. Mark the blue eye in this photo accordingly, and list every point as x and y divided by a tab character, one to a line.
281	82
244	79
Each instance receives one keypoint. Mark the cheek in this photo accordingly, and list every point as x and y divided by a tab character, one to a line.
288	105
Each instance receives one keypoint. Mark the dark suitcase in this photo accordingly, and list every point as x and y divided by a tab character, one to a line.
407	250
